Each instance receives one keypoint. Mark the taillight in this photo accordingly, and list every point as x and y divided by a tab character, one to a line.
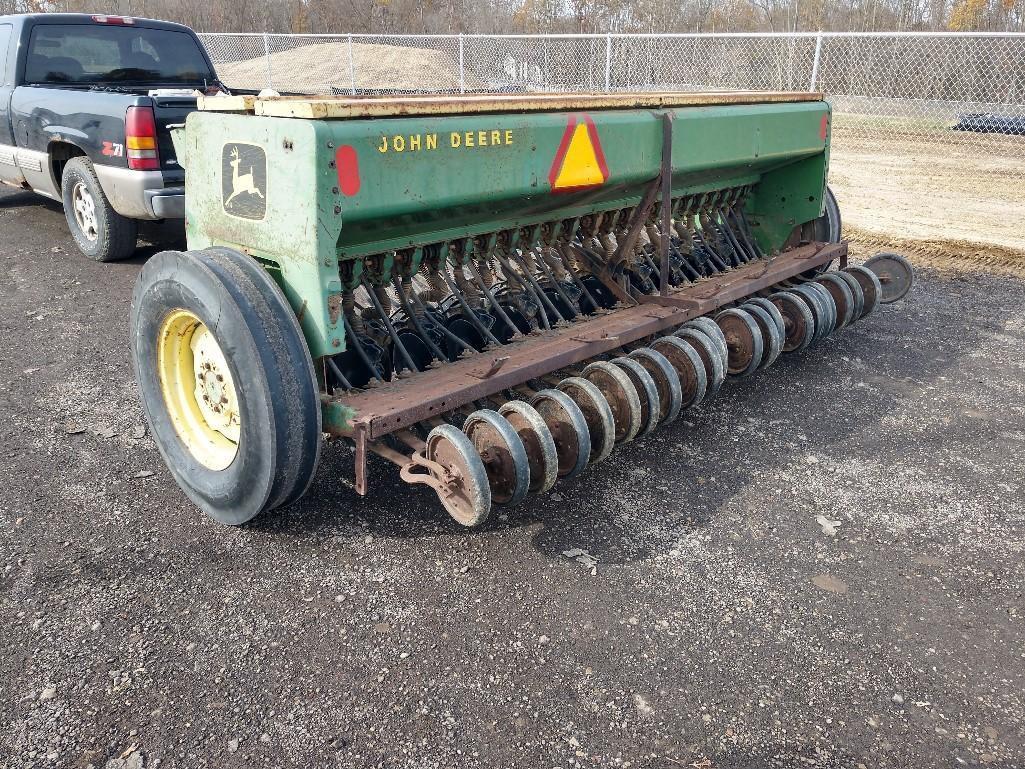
101	18
141	139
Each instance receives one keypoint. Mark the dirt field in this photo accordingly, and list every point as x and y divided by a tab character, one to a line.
949	199
324	66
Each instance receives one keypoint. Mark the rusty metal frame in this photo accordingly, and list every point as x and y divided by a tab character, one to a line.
660	184
425	396
360	437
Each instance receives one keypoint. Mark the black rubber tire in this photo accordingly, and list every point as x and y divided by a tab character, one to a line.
839	287
279	445
829	227
116	235
821	314
707	349
773	311
826	300
857	292
772	337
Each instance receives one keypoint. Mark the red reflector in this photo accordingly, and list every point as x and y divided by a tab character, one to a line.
144	164
347	163
141	124
824	127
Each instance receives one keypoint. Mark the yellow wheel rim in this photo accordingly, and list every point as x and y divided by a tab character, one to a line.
198	390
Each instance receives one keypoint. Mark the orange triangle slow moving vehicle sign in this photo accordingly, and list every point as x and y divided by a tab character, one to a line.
579	163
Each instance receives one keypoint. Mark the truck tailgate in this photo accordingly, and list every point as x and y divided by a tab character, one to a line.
170	110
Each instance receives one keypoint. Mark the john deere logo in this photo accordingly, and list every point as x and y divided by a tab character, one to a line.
244	180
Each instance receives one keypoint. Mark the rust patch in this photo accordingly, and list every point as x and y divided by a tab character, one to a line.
334	308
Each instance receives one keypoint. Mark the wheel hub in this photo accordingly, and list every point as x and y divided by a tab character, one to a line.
215	392
85	211
198	390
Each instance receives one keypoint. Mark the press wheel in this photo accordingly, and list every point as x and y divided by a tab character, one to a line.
689	368
770	308
537	439
827	302
743	339
772	339
601	424
856	293
461	480
705	324
814	302
621	395
503	455
708	351
646	389
798	320
842	297
568	428
870	287
894	273
670	392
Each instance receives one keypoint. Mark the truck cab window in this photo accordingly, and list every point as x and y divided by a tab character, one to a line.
101	55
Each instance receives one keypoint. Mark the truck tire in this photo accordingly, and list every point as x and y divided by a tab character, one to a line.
226	380
100	232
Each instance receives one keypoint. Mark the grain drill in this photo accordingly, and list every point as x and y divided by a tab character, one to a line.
490	292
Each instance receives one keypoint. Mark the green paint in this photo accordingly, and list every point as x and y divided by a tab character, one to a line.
299	232
440	189
336	415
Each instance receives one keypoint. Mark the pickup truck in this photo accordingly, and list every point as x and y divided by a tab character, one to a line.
85	105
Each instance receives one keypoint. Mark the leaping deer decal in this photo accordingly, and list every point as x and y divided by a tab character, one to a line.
241	182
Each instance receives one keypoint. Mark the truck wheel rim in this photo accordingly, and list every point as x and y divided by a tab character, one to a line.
85	211
198	390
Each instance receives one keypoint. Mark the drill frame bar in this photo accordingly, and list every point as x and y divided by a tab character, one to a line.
386	408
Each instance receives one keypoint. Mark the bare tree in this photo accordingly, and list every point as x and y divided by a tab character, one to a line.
555	16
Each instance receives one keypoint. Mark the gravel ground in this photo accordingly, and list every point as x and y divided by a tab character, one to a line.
823	566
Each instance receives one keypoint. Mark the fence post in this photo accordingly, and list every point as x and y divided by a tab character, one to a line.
815	63
608	62
266	54
462	66
352	68
544	66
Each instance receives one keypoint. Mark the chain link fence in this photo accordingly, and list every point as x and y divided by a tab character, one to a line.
928	134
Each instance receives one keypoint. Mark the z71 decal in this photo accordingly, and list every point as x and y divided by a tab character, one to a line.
113	149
